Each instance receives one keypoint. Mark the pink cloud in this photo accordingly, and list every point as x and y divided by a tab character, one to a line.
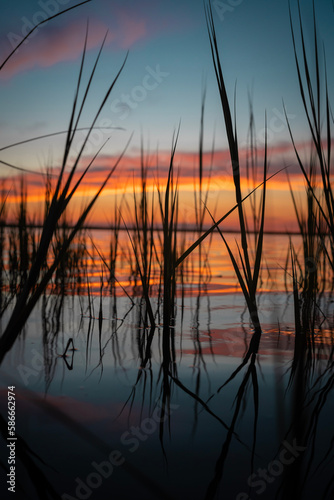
279	156
130	30
52	45
186	163
55	45
145	20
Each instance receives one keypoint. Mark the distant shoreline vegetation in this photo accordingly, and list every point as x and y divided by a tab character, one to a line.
190	229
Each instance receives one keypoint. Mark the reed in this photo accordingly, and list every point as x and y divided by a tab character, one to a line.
201	196
316	222
313	87
38	279
310	262
248	276
3	214
114	245
143	235
168	203
249	280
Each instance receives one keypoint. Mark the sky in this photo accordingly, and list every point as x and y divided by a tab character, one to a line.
160	88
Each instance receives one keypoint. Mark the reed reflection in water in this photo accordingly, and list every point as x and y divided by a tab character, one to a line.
189	417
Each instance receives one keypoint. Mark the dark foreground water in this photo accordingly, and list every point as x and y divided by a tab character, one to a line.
114	419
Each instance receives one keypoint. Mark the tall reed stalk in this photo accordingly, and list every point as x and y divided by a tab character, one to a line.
249	274
201	196
168	209
144	228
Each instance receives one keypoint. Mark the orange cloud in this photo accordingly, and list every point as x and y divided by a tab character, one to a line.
185	170
279	214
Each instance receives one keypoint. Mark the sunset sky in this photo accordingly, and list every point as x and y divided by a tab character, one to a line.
169	64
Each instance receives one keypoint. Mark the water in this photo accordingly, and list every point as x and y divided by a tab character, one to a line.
113	418
216	270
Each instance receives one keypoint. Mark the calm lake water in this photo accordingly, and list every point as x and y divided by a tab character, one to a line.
102	414
214	262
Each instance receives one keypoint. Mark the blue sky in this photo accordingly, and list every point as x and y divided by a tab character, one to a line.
168	39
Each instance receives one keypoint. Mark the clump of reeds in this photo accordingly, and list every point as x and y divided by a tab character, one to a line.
168	203
41	272
23	234
3	213
201	196
248	275
114	245
18	242
142	241
70	273
315	97
316	225
309	264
